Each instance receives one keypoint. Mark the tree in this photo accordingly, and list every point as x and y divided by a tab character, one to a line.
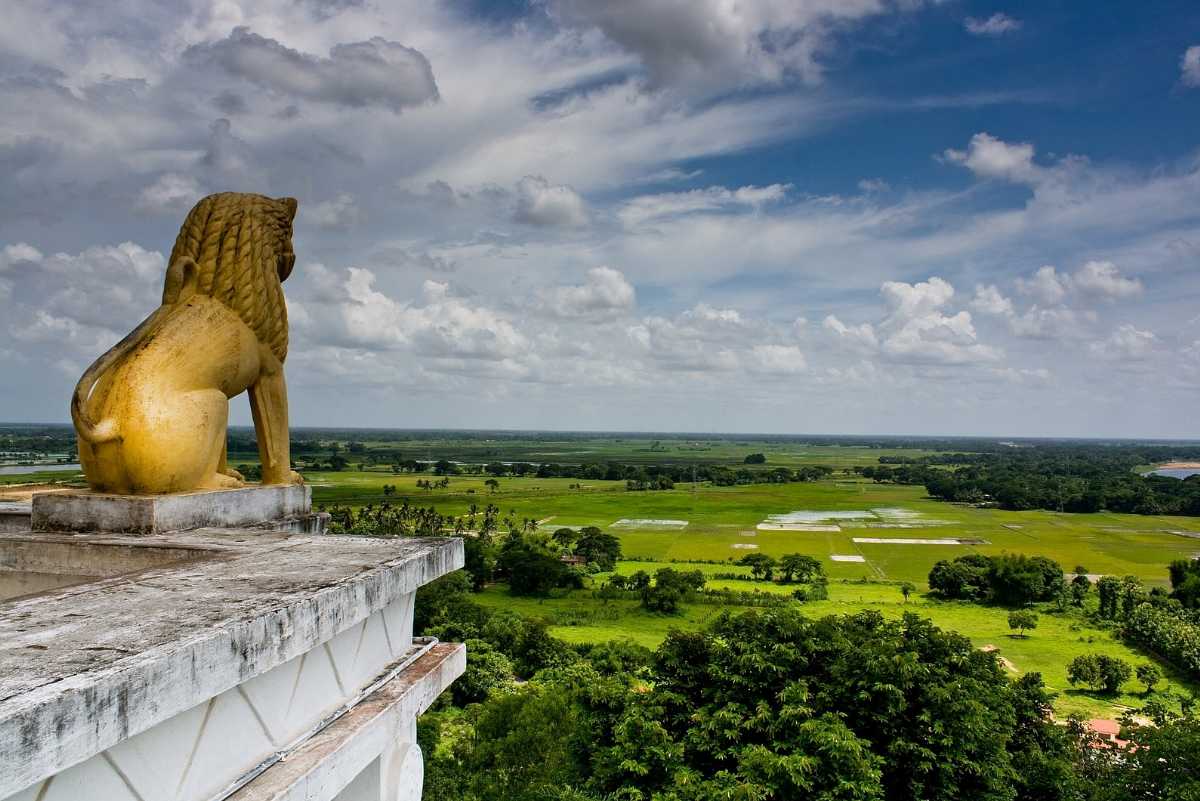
670	588
732	712
598	547
964	578
1099	671
1081	585
492	484
1149	675
564	537
755	458
1022	620
761	566
1161	762
487	669
1109	588
1019	579
639	580
907	589
531	569
1185	582
799	567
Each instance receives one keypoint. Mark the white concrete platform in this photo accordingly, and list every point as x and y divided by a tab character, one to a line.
86	511
175	681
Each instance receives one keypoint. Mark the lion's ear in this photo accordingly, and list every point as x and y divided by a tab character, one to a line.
291	204
181	281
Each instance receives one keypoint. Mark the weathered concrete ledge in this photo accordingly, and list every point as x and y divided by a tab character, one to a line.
86	511
343	751
88	666
14	516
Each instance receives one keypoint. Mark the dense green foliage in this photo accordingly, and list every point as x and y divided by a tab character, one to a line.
1170	633
1006	579
768	705
1065	478
773	705
1099	671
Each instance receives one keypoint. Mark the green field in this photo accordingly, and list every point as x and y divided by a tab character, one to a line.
720	518
48	476
599	449
580	617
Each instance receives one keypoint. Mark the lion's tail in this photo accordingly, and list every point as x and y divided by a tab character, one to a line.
105	430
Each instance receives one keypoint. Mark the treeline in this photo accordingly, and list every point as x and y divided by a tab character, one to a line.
768	704
1167	624
1058	477
661	476
1011	579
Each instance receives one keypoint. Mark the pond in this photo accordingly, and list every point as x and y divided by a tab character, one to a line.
24	469
1174	472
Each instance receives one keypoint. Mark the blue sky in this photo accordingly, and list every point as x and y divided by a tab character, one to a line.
850	216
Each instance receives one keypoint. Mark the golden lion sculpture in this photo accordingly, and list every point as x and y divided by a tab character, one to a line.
151	413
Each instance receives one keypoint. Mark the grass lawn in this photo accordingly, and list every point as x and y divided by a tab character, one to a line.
48	476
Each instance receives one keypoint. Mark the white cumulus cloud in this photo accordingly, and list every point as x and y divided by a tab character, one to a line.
989	157
605	292
990	300
543	204
1103	279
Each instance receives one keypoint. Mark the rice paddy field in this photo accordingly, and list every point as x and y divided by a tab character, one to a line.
869	537
896	532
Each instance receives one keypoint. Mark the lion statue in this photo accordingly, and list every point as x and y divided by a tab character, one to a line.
151	413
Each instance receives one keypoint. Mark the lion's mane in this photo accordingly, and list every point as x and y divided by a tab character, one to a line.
241	244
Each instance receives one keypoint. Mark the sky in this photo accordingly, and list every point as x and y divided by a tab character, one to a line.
775	216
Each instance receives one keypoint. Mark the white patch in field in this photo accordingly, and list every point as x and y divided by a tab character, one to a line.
639	522
846	557
796	527
819	516
807	520
743	546
914	541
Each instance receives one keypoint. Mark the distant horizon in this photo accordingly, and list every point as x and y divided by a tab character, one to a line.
688	434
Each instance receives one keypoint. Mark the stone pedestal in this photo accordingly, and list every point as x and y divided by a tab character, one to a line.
287	507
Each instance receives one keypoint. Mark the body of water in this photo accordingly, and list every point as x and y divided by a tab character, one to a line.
23	469
1175	472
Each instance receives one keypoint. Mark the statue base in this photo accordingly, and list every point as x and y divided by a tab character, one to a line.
277	507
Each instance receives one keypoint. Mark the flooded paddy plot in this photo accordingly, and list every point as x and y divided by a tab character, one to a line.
884	517
920	541
640	522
